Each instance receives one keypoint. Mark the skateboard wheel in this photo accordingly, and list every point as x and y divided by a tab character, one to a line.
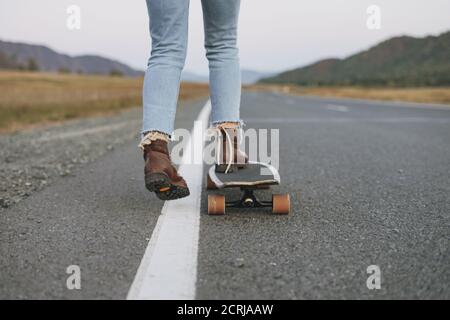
210	185
248	202
216	204
281	204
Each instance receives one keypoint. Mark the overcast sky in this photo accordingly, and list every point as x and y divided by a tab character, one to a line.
274	34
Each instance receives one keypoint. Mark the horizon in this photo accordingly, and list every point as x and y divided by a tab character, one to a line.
243	68
278	38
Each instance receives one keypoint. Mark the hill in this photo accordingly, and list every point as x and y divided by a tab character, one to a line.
400	61
37	57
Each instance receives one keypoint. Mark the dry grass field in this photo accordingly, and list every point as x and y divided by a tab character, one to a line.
31	98
439	95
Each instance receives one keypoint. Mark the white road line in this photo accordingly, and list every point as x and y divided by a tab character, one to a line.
290	101
373	102
335	107
82	132
168	269
349	120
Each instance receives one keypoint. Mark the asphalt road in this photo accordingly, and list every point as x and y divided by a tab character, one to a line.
369	185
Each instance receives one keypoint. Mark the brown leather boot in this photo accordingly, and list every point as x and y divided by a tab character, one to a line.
161	176
230	158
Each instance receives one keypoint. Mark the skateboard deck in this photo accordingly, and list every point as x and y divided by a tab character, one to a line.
254	176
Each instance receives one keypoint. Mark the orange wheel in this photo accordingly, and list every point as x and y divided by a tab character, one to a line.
216	204
210	185
281	204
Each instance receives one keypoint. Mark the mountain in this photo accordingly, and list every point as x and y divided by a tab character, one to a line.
252	76
37	57
400	61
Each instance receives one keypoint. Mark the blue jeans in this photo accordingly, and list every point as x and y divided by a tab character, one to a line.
169	32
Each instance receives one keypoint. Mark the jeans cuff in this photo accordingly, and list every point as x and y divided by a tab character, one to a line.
217	123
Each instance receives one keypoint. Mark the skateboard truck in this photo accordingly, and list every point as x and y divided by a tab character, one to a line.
247	180
280	203
248	200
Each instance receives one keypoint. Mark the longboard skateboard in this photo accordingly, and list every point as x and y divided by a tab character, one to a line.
254	176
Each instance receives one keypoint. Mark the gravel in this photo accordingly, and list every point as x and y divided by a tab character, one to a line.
33	159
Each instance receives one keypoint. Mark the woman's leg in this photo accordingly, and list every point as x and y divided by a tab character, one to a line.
221	22
169	33
169	30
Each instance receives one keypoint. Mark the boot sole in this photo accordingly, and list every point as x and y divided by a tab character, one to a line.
160	184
